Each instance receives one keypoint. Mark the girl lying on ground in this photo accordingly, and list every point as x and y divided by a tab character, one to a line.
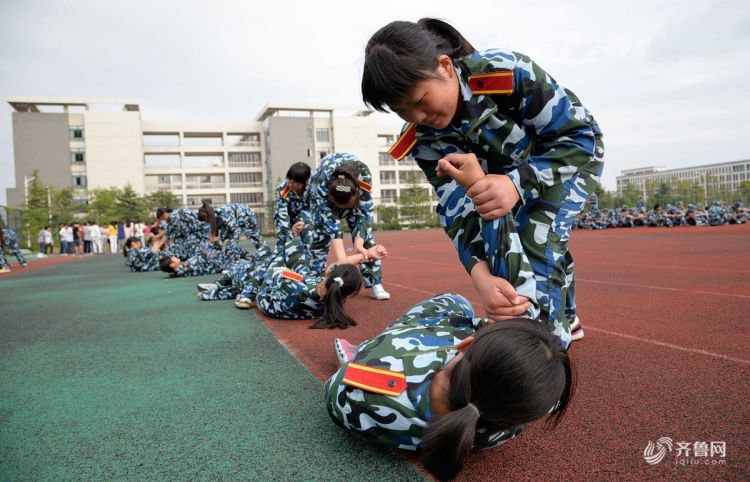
440	380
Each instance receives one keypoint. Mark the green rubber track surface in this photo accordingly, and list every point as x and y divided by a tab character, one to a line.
107	374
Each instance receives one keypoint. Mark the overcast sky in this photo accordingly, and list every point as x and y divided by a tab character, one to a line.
667	80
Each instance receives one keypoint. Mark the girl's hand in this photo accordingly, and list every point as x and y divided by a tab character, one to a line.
463	168
359	247
494	196
297	228
377	252
499	297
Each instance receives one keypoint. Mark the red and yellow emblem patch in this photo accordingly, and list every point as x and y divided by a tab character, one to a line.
285	192
364	186
405	143
289	274
376	380
492	83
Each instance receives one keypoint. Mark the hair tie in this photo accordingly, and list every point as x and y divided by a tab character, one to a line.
342	188
474	407
338	280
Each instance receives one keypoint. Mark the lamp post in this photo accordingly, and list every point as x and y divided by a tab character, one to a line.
26	181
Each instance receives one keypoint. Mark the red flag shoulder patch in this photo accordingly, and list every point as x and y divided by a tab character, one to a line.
289	274
365	186
285	192
500	82
376	380
405	143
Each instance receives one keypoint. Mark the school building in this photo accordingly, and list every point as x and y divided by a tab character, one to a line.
88	143
724	176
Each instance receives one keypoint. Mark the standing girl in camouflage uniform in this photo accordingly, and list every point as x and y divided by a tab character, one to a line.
540	149
292	289
440	380
9	241
289	202
339	189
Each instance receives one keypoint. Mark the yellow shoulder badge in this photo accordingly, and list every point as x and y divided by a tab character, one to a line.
364	186
292	275
405	143
285	192
500	82
376	380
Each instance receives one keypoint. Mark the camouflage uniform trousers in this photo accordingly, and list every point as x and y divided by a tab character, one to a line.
281	297
716	216
544	228
418	344
143	259
237	220
11	244
243	277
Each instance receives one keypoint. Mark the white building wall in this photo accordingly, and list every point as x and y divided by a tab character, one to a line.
114	153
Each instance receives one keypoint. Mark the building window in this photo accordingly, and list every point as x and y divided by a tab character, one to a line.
80	200
160	139
76	133
409	177
244	159
385	159
214	199
201	140
388	195
78	156
243	140
321	135
387	177
246	179
79	181
322	154
204	181
161	160
192	161
247	197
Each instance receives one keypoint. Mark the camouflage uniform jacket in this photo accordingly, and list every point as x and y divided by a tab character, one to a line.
537	133
418	344
359	217
289	207
210	259
143	259
11	244
185	232
289	288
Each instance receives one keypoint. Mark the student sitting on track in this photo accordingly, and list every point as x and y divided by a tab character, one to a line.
143	259
445	382
291	288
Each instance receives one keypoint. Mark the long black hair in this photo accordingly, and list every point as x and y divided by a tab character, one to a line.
334	315
207	214
299	172
402	54
344	185
513	373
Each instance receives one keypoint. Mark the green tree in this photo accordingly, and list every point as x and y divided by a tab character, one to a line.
630	195
37	211
130	206
388	217
743	192
161	199
414	203
103	205
63	208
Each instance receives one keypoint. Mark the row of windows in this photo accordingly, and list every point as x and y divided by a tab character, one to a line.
235	159
204	181
404	177
155	139
218	199
392	195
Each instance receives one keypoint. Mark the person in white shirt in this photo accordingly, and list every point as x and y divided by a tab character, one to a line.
63	240
69	238
96	238
139	233
87	237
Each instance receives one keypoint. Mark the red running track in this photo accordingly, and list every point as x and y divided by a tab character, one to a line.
36	264
666	352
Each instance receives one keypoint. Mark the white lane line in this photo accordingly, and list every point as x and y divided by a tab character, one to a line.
664	288
669	345
612	333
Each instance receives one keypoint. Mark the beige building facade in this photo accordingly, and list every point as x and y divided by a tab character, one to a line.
99	143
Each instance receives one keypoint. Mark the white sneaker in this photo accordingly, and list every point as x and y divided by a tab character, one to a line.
576	329
379	293
243	303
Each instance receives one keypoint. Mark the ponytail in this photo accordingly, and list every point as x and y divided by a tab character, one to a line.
207	214
402	54
513	373
343	281
344	185
448	441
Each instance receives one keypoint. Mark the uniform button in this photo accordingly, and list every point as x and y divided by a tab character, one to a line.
391	383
